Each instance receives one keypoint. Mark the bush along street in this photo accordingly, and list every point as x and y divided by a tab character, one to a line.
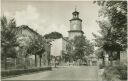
9	73
115	73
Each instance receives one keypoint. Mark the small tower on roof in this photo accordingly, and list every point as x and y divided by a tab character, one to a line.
75	25
75	14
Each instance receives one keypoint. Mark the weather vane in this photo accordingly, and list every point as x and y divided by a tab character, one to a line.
75	7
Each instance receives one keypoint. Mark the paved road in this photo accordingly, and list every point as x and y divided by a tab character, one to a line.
84	73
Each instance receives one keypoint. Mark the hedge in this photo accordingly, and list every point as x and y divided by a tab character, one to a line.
7	73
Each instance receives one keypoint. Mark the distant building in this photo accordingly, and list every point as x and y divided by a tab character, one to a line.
75	26
59	46
59	49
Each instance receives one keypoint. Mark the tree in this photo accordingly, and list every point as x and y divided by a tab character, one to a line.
69	48
83	47
100	54
8	39
31	44
53	35
41	49
114	30
36	47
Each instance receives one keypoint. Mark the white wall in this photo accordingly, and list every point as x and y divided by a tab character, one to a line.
56	47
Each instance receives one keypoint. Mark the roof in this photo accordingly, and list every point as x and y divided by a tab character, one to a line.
76	31
75	12
22	27
66	38
26	27
76	19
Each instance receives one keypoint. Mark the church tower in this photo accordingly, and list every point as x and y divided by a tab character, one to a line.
75	26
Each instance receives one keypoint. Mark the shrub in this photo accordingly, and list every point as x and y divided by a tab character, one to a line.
115	73
101	66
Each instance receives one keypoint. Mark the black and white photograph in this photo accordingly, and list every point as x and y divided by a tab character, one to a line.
63	40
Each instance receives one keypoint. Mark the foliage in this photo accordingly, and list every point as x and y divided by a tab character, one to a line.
69	48
8	37
53	35
83	47
36	46
114	28
99	53
115	73
101	66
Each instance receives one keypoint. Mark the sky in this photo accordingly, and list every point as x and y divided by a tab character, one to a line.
49	16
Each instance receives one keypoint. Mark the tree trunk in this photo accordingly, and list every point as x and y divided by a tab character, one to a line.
111	58
40	61
26	62
15	62
55	62
5	62
103	61
5	59
118	55
35	60
48	59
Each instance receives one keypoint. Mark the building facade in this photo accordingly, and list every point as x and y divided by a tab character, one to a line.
58	46
59	50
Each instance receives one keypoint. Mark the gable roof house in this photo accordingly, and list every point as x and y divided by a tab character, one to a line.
24	36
